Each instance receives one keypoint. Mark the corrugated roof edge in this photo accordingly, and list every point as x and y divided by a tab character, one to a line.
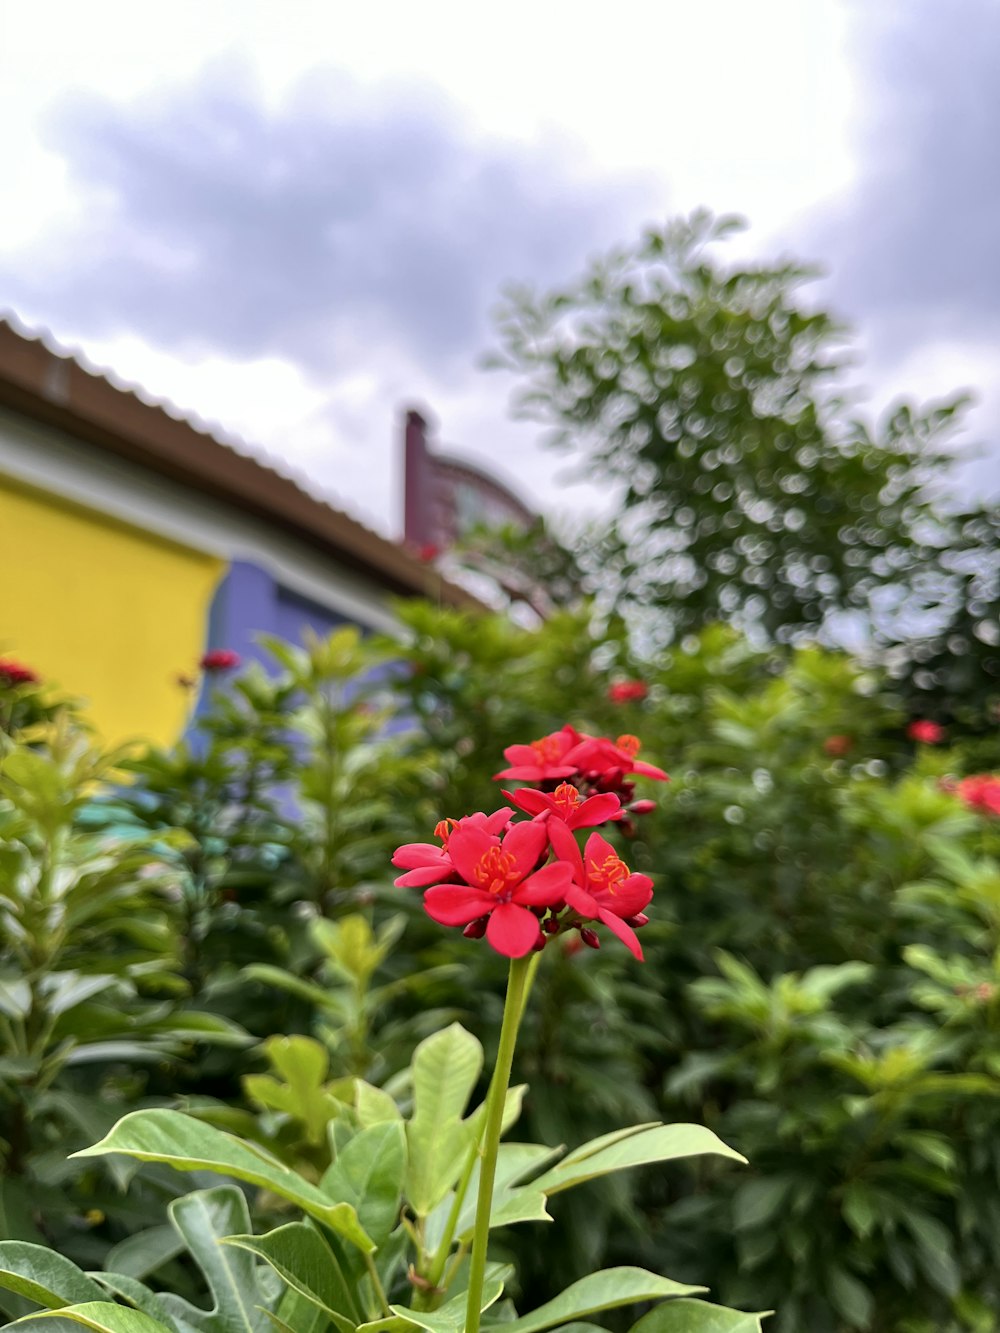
57	388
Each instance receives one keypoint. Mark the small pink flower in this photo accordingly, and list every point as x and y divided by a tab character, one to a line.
220	659
925	732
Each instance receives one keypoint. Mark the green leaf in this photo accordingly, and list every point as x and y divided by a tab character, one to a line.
145	1252
658	1143
187	1144
510	1203
204	1219
304	1261
757	1202
301	1091
445	1069
697	1317
43	1276
373	1106
850	1298
368	1174
135	1292
450	1318
605	1290
104	1316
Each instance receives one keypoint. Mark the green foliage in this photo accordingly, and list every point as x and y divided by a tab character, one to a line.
386	1213
821	986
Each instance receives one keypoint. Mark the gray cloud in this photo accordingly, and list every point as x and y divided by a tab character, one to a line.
915	247
345	219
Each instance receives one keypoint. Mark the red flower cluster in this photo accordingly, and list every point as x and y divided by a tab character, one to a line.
16	673
591	764
627	691
220	659
519	884
980	792
925	732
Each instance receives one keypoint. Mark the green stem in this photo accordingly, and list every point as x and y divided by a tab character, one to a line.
376	1281
435	1275
497	1096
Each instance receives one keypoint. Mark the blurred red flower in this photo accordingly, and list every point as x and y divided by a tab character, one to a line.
625	691
925	731
220	659
16	673
567	804
542	760
980	792
838	746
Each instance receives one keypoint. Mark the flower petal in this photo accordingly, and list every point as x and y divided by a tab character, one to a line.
596	810
513	930
581	901
421	876
531	801
525	843
466	846
565	847
649	770
599	849
413	854
545	887
456	904
625	933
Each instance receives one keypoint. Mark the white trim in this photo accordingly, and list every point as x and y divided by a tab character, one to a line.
55	462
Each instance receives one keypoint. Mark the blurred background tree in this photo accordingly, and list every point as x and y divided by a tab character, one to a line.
749	490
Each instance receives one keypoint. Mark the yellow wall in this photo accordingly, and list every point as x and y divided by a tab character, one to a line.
106	611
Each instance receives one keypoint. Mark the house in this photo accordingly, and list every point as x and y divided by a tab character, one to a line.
131	542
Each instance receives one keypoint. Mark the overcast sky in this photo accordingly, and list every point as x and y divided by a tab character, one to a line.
292	220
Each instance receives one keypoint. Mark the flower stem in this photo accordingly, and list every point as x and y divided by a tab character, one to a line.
496	1097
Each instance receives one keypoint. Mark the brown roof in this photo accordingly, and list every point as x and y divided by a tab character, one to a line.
58	390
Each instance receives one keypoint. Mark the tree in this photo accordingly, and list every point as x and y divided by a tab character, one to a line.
708	394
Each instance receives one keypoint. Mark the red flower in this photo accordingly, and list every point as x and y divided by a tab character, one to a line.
838	746
603	887
16	673
980	792
567	804
499	882
542	760
625	691
926	732
428	552
603	758
427	864
220	659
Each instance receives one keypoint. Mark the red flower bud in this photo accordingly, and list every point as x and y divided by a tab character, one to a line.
475	930
590	937
640	919
645	807
551	925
